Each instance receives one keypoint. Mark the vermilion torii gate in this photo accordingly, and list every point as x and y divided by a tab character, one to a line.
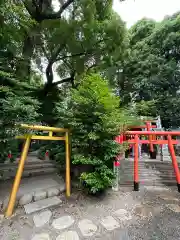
153	140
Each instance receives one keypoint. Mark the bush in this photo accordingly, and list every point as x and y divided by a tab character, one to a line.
94	117
15	107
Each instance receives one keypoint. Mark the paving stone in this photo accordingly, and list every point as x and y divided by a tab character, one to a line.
62	188
173	207
123	214
70	235
156	188
41	236
27	198
87	227
42	218
110	223
1	204
1	218
169	198
5	203
52	192
39	195
63	222
42	204
143	211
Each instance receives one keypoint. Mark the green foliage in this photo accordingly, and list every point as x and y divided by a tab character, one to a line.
141	30
94	117
146	108
150	72
16	106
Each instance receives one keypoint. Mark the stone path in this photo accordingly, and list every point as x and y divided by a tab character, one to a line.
113	217
86	226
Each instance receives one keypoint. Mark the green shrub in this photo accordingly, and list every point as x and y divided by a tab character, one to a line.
94	117
16	107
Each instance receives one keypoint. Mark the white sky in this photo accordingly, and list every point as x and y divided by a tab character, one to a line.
133	10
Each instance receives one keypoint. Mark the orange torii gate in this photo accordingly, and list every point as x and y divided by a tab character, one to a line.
135	141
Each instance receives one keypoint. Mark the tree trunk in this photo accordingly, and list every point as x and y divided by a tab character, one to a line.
23	69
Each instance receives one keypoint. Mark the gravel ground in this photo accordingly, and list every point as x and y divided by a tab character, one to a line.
154	214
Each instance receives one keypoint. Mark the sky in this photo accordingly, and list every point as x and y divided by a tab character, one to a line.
133	10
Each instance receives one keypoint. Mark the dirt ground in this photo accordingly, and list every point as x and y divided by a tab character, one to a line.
154	213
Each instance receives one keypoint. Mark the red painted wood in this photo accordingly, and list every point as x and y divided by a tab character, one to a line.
174	160
159	133
136	153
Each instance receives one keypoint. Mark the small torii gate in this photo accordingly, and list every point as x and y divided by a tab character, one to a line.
28	138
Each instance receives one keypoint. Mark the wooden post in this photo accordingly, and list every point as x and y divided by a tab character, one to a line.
150	137
174	161
68	178
136	153
18	176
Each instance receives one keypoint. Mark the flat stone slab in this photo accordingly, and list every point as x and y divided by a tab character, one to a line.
153	188
63	222
42	218
25	199
40	195
87	227
52	192
36	184
143	211
41	236
109	223
31	185
173	207
70	235
123	215
169	198
41	204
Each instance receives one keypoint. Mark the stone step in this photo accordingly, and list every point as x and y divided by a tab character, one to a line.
151	173
147	182
33	189
149	178
42	204
144	173
150	170
35	165
170	168
38	172
147	164
29	172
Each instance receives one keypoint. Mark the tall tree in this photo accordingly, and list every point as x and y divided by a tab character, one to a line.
151	70
76	37
16	102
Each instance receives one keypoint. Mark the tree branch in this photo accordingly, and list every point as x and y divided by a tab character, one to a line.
85	52
36	5
69	79
59	13
49	73
39	15
71	56
49	70
29	9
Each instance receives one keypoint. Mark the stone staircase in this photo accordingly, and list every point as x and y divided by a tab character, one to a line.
33	167
40	183
151	173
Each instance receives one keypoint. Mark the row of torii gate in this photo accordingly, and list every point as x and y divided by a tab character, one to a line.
130	137
134	137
